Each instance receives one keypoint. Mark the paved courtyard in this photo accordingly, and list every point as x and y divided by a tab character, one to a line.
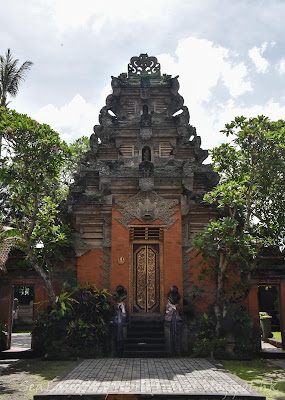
157	377
21	341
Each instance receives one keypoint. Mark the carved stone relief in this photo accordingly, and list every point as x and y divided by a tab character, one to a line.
186	272
185	232
188	183
147	206
188	172
106	267
80	246
145	93
185	207
104	183
106	242
146	184
143	65
146	132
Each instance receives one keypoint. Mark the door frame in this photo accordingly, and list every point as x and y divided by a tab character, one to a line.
277	284
131	273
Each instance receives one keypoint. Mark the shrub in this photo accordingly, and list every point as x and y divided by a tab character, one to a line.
206	343
246	337
210	347
78	325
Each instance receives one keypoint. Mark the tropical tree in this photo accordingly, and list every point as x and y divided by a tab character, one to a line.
76	152
29	199
251	201
11	76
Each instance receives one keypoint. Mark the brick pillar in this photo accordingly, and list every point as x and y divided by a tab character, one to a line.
252	305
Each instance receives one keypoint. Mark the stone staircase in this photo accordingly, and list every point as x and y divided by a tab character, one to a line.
145	338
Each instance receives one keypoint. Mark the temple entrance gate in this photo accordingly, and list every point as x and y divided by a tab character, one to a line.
146	270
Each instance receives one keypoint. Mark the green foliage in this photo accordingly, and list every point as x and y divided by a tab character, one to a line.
29	178
75	152
246	338
206	327
251	202
210	347
256	159
262	375
11	75
78	325
206	343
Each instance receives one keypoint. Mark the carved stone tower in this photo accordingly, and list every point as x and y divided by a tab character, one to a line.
136	199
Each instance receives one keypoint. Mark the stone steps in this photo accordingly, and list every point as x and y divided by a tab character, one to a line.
145	338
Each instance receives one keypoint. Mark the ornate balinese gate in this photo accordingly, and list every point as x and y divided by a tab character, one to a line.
146	270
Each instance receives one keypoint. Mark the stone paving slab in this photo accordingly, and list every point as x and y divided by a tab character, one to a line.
21	340
146	378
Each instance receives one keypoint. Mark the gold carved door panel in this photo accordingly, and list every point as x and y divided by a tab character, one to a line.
146	278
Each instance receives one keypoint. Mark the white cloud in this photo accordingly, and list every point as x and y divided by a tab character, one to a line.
201	65
234	79
213	80
231	109
281	66
72	120
203	69
260	62
71	14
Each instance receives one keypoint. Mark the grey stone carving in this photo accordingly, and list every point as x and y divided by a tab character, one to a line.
183	118
146	184
147	206
146	168
146	132
93	143
143	65
106	267
80	246
145	93
107	232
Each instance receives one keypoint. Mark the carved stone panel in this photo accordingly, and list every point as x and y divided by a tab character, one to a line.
147	206
146	132
146	184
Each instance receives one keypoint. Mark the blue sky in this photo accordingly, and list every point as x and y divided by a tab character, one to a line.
230	56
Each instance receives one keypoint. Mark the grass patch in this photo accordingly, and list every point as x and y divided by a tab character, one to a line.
277	335
263	376
27	377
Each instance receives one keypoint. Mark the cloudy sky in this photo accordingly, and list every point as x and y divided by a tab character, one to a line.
229	54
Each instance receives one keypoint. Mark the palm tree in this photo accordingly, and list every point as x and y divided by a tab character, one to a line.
11	75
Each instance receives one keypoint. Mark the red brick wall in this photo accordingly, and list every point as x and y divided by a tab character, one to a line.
120	248
89	267
172	255
202	302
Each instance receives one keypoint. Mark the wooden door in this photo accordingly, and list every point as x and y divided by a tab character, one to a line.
146	285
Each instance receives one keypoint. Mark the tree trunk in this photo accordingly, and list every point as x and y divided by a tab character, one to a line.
220	294
46	277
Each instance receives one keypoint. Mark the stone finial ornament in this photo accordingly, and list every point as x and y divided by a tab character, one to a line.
143	65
